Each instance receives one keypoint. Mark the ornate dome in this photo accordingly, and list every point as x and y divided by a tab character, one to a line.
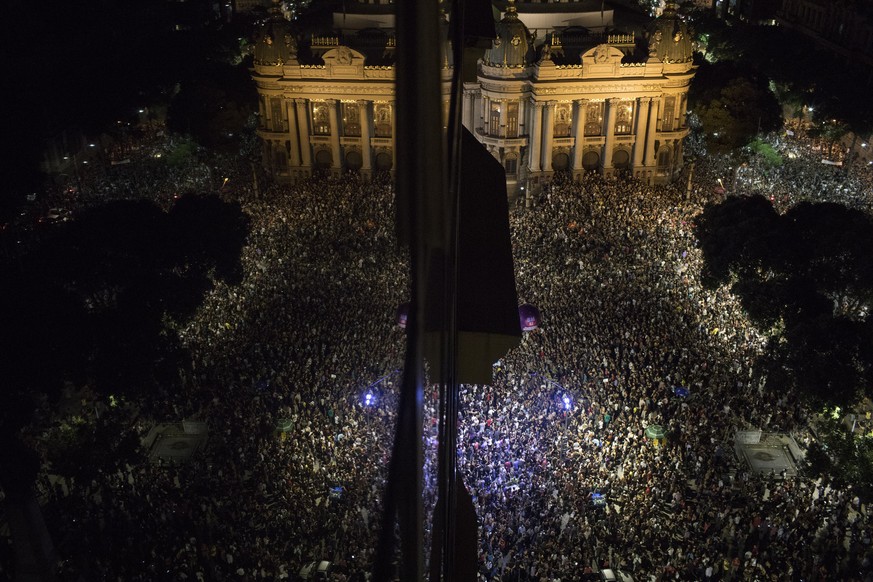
275	43
514	45
669	38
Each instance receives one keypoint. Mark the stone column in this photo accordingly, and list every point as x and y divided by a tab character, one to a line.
303	132
486	115
366	119
610	132
332	105
294	153
579	133
548	135
522	119
467	118
536	136
653	131
640	137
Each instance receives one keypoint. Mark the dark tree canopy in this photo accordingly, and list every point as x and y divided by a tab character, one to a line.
804	278
733	105
93	300
843	458
83	66
801	73
213	105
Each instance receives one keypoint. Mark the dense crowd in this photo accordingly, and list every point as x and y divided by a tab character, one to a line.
804	174
553	451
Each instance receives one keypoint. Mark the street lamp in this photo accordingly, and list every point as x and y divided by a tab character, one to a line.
370	396
369	401
566	401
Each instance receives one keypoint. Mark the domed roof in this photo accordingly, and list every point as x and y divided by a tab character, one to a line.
514	45
275	43
669	38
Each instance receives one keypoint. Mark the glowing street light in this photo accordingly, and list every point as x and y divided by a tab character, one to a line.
369	402
370	398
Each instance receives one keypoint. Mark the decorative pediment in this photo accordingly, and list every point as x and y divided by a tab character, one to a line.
602	54
343	56
603	61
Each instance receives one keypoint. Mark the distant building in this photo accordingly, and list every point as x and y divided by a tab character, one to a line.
839	26
326	103
565	99
249	5
188	15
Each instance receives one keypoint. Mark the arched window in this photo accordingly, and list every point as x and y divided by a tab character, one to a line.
621	160
383	161
354	161
562	121
665	158
669	113
624	118
323	159
277	118
512	119
594	119
591	161
494	119
383	121
320	119
280	158
560	162
352	119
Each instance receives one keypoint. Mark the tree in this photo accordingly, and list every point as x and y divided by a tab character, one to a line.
841	456
732	238
94	300
42	328
733	105
213	106
78	449
805	279
767	152
800	72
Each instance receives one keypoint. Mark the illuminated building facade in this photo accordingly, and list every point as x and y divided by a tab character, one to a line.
575	101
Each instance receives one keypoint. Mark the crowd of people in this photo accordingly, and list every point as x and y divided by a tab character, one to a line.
554	451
